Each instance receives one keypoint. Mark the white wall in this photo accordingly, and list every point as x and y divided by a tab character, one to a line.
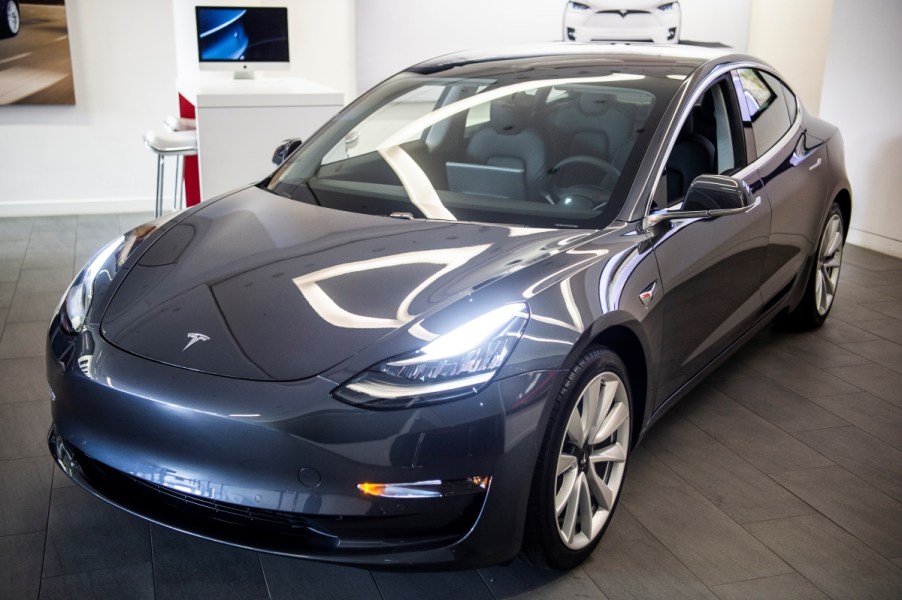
793	37
724	21
325	37
394	34
862	93
90	157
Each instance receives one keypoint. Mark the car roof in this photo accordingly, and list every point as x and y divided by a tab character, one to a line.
553	53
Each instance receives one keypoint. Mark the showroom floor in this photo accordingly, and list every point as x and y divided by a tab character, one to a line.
781	477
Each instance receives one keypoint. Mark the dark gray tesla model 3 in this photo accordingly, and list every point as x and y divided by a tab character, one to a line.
434	334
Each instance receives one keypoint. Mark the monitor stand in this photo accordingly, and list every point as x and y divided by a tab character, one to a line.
242	74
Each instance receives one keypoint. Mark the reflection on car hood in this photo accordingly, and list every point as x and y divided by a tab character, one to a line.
261	287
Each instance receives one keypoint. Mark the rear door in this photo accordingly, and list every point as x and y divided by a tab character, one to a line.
710	269
792	165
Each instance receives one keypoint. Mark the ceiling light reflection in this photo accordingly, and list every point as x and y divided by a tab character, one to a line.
332	313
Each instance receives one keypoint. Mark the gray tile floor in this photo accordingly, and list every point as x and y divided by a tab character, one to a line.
780	477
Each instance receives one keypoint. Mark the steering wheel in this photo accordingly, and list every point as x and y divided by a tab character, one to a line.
592	161
583	195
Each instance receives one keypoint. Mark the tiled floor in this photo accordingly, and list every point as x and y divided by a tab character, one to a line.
781	477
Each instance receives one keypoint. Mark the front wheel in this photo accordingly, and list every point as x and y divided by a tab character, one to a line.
821	287
581	469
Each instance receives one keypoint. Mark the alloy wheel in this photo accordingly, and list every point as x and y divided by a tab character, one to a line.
592	460
829	260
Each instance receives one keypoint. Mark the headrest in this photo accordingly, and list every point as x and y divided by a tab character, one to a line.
509	115
595	104
688	127
642	113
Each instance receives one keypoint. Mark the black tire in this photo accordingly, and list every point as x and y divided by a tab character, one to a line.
10	19
544	543
820	289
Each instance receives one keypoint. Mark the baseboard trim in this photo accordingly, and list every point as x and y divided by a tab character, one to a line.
877	243
47	208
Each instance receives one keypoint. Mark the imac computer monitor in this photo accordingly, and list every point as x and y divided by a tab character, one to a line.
242	39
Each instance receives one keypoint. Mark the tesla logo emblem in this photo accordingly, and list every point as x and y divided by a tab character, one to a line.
623	13
193	338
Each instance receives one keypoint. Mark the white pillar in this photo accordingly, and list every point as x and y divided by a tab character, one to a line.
793	37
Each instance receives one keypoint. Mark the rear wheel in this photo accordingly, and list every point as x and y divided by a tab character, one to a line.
821	287
581	469
10	20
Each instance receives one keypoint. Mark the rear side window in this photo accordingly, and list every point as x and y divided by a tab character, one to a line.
772	107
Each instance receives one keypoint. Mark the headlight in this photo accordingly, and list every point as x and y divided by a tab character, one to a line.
94	278
99	273
669	6
454	365
578	6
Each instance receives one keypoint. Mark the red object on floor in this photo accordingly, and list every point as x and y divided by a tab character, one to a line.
191	169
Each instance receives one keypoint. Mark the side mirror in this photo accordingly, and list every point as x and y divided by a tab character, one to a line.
284	150
716	192
709	196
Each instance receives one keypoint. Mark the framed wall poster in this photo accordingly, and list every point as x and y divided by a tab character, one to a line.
35	62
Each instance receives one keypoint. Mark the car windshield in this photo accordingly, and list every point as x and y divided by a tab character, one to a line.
553	148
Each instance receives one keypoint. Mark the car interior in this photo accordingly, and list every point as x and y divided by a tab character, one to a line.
554	153
710	141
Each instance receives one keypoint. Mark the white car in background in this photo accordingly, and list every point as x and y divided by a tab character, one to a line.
655	21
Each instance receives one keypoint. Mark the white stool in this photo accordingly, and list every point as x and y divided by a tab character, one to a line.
165	142
174	123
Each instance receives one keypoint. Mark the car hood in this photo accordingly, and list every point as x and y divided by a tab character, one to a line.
257	286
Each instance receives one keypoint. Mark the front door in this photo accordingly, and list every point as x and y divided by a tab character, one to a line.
710	268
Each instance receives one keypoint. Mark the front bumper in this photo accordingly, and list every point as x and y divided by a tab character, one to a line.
436	523
610	27
274	466
656	35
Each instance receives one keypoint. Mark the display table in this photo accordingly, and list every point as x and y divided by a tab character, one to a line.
240	123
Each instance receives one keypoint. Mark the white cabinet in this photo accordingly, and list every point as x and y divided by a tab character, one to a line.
240	123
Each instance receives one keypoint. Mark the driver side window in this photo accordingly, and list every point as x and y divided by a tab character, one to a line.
710	142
